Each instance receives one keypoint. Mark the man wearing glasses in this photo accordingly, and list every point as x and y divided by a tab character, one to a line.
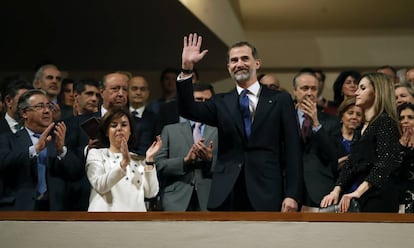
35	164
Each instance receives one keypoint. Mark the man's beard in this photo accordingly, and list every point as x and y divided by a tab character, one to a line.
241	76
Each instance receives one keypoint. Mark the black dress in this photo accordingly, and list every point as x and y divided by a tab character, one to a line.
375	156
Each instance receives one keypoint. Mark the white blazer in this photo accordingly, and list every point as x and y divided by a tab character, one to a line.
114	189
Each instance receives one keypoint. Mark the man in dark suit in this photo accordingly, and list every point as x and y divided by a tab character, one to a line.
34	162
145	119
258	135
87	97
9	123
185	162
321	133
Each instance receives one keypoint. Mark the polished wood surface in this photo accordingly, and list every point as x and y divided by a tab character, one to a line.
207	216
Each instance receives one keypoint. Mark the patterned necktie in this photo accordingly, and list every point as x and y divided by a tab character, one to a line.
197	132
245	111
41	169
18	127
135	114
306	125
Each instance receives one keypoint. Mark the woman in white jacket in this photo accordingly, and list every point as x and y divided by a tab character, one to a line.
120	181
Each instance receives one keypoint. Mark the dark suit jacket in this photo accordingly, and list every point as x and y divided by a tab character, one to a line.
375	157
320	160
274	135
4	126
168	115
144	132
179	180
20	172
76	140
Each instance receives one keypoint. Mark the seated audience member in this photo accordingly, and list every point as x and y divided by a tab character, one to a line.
320	138
351	118
409	75
390	71
375	151
35	164
344	87
145	120
186	159
405	179
404	92
10	122
66	99
120	181
270	80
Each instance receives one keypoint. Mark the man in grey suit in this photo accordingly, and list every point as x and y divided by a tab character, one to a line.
185	161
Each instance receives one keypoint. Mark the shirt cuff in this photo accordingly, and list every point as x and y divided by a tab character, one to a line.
181	78
316	129
63	154
32	152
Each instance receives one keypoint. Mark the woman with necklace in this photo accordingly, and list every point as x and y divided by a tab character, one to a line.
375	152
120	180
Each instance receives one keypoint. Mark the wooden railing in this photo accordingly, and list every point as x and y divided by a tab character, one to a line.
207	216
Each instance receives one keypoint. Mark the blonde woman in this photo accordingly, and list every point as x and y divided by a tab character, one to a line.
375	153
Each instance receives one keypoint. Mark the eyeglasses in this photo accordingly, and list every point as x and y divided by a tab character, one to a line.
41	106
51	77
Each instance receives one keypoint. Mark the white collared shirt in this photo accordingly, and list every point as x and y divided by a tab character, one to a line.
12	122
140	111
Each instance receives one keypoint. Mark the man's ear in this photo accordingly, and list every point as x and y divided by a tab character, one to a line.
36	84
8	100
258	64
23	113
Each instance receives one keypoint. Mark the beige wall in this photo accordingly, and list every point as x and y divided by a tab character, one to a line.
200	234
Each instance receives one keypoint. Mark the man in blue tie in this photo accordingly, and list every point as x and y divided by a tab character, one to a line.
259	161
35	164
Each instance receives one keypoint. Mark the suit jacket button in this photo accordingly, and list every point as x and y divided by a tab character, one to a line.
239	165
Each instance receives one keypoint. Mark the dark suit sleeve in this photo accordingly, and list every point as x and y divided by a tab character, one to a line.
69	168
327	140
292	155
204	112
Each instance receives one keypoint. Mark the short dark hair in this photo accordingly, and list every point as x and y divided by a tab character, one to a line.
106	121
203	87
404	106
255	53
12	87
80	85
168	70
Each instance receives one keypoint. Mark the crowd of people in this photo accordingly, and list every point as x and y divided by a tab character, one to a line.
88	145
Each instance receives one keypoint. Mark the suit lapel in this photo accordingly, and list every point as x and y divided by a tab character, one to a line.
231	102
208	133
185	129
267	101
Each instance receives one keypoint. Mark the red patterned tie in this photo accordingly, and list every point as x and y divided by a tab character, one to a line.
306	125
